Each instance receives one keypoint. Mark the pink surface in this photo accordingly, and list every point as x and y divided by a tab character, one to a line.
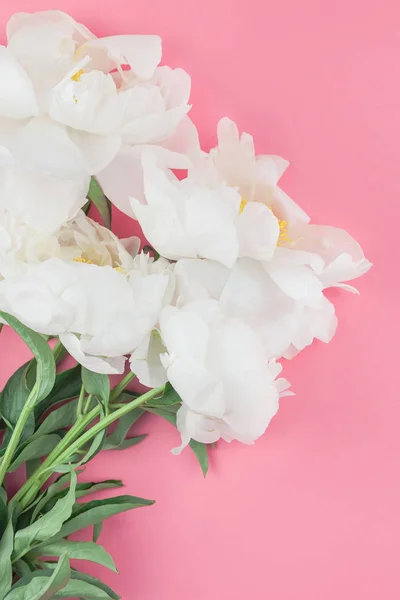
311	511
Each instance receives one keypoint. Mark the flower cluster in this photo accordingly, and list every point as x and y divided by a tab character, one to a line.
238	275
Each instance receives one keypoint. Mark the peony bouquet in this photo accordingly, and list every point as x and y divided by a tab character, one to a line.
230	280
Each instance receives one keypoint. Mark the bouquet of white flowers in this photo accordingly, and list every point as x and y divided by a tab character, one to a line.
232	280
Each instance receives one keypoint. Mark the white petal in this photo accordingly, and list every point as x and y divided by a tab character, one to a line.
162	218
211	223
343	256
297	282
287	209
153	128
319	323
146	363
194	426
108	366
98	150
123	177
175	85
141	52
199	279
17	96
258	232
29	298
184	141
47	183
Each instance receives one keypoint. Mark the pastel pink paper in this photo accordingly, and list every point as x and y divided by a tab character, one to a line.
311	511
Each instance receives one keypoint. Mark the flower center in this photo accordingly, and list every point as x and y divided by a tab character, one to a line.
98	263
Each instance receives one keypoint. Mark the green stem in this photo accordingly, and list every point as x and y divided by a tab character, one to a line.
88	403
107	421
34	483
27	493
59	352
80	402
121	386
18	429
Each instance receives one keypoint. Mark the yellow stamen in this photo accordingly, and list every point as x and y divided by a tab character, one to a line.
283	235
283	229
80	259
77	75
98	263
242	205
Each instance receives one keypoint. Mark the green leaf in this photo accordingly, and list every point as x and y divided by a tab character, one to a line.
152	251
87	587
129	442
32	466
98	385
100	201
36	449
48	525
51	492
6	548
75	550
84	591
86	207
97	529
60	418
56	491
46	366
94	448
22	568
117	437
67	385
12	401
168	413
42	587
97	511
3	514
84	489
169	398
200	450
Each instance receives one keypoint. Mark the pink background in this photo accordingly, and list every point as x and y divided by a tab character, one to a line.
312	510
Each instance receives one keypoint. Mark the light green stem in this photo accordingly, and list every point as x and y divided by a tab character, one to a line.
87	404
79	408
17	432
107	421
121	386
34	483
59	352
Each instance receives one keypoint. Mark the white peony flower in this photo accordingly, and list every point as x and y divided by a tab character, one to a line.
235	163
219	368
92	293
94	105
188	219
107	96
